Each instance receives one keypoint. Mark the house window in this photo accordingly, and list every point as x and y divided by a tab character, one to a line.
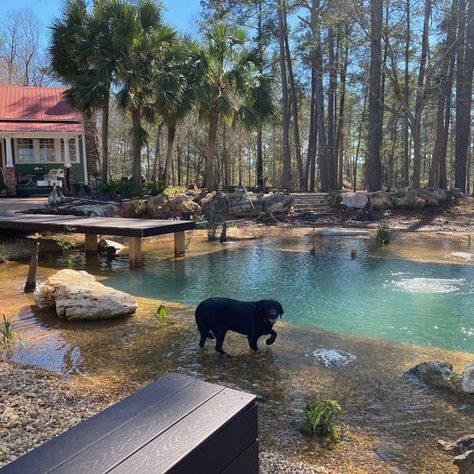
72	150
46	149
26	152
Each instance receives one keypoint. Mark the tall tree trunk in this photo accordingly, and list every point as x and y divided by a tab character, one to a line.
294	106
464	76
105	136
311	158
171	128
136	148
359	139
320	119
156	163
259	159
420	96
406	94
340	121
287	173
438	160
211	151
331	152
374	163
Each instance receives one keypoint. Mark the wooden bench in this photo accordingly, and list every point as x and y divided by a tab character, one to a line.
175	425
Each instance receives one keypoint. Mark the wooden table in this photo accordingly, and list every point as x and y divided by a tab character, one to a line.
175	425
134	229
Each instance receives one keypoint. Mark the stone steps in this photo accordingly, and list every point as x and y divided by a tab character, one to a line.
312	202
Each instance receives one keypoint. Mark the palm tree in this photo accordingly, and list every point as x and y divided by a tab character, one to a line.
230	73
176	88
85	51
145	58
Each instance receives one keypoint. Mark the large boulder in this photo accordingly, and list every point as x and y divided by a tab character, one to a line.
244	204
77	295
214	204
133	208
277	203
467	379
407	200
166	207
356	200
95	210
381	201
435	373
156	206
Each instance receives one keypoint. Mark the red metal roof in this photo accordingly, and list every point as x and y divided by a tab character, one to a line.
41	108
65	127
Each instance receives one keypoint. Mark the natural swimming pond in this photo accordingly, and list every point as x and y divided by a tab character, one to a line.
375	294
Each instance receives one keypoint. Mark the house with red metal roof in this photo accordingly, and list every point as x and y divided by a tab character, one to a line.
42	141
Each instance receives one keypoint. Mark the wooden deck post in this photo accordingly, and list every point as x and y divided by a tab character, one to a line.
135	251
179	244
91	244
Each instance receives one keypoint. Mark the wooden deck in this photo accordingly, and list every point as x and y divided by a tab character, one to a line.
134	229
177	424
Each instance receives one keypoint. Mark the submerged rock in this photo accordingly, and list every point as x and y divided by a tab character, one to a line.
461	445
109	246
435	373
77	295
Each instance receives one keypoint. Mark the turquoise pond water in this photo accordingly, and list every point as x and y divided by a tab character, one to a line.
389	298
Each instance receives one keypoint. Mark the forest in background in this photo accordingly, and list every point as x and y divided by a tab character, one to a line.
296	95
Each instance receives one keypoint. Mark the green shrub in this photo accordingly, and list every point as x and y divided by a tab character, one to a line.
384	234
121	188
3	253
3	188
321	417
154	187
212	225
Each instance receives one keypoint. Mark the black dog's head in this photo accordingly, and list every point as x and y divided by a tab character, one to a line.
269	310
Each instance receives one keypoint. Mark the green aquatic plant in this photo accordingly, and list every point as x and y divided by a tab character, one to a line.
3	253
384	234
212	225
66	244
7	332
321	416
469	240
161	313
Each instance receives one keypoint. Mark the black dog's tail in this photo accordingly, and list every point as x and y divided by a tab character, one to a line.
203	329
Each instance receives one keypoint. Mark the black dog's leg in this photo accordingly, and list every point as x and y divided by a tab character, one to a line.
220	341
253	343
271	339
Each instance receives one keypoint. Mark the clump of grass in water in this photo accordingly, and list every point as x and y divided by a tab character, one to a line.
161	313
3	253
8	334
212	225
321	416
67	244
384	234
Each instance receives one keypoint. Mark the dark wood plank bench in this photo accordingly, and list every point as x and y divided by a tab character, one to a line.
175	425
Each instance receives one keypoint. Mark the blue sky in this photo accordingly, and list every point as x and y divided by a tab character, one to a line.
179	13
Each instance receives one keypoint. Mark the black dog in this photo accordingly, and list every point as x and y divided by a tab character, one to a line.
216	316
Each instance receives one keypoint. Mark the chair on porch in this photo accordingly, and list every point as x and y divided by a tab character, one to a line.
52	178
